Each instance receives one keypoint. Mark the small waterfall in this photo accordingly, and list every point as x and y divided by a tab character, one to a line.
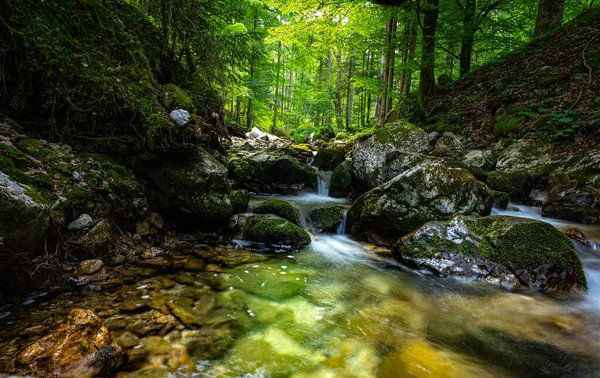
341	230
323	180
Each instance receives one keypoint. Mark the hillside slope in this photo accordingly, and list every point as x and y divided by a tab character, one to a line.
542	91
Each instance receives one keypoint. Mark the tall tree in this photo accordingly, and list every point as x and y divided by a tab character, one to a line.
550	16
430	11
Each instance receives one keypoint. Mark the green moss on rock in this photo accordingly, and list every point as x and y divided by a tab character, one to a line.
533	252
274	231
239	200
280	208
177	98
327	159
327	218
340	185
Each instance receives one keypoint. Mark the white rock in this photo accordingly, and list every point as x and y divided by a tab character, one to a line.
181	117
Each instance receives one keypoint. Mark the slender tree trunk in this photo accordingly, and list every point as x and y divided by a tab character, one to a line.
468	38
388	76
408	70
550	16
338	90
327	119
249	114
350	99
276	99
430	12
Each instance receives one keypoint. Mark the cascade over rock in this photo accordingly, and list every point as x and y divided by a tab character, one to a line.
271	172
501	249
391	150
433	190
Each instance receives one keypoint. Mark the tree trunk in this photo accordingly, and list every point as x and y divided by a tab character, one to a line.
550	16
427	75
388	76
338	91
468	38
276	99
251	78
350	99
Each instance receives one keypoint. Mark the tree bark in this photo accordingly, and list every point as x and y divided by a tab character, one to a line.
338	91
469	28
388	75
427	76
350	98
275	100
550	16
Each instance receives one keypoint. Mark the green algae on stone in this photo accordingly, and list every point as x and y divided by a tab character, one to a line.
239	200
274	231
496	249
328	158
327	218
282	209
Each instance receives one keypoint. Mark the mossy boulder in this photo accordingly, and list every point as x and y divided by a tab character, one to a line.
518	184
340	185
193	190
448	145
239	200
23	221
580	205
327	218
273	232
280	208
327	159
501	199
482	159
271	172
433	190
391	150
506	250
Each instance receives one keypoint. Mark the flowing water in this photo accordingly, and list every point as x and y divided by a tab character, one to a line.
338	308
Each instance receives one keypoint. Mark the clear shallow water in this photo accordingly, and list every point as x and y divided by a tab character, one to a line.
338	308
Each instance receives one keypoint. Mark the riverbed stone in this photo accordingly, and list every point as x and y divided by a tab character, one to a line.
505	250
282	209
327	159
80	347
398	141
433	190
24	220
482	159
88	267
271	172
274	232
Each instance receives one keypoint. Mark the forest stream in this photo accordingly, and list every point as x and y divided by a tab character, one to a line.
337	308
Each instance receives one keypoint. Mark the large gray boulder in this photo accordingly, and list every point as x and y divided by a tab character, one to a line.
271	172
505	250
23	220
391	150
434	190
193	190
449	146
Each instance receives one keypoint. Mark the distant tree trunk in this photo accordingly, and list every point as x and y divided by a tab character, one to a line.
338	90
350	99
275	101
327	119
550	16
408	57
427	76
251	78
388	75
238	111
